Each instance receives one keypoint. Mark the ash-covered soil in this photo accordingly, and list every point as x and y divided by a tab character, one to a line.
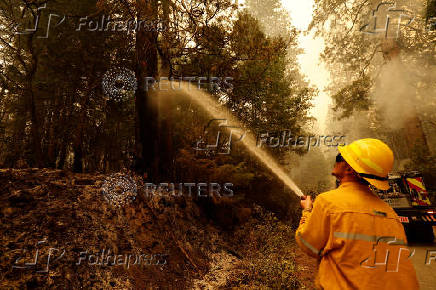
58	231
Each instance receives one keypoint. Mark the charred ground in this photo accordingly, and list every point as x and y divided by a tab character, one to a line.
68	213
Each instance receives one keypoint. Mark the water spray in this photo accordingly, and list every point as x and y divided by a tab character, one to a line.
216	110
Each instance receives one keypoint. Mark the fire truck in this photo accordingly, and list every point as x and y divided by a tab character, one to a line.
410	200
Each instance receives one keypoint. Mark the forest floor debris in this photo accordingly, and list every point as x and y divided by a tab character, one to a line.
58	230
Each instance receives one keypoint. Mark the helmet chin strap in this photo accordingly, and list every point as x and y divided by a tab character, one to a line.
371	176
366	175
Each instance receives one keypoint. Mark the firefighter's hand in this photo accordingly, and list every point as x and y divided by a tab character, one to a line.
306	202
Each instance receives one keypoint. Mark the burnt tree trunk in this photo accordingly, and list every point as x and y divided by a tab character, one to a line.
78	159
166	166
146	135
31	106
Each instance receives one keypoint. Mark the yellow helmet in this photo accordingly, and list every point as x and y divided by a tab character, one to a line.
371	158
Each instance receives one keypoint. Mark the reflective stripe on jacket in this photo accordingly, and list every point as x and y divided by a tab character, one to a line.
359	239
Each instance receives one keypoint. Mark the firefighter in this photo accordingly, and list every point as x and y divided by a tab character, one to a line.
358	239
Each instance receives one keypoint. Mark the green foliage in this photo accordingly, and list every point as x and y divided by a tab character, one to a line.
272	16
381	84
265	97
60	109
61	97
221	169
355	58
353	97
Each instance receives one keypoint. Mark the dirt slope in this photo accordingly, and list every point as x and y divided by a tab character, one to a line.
57	230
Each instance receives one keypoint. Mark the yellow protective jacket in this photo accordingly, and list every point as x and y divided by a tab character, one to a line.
359	240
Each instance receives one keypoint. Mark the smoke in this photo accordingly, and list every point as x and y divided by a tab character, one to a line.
404	85
395	94
405	90
312	171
